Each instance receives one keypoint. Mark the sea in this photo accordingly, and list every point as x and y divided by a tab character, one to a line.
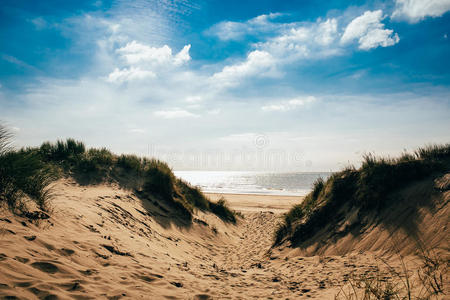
243	182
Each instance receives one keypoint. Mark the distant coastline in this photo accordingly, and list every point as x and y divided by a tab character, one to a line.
253	183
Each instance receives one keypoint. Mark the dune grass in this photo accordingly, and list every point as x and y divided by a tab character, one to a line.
221	209
23	176
367	188
27	172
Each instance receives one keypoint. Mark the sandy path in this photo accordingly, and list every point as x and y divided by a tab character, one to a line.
246	269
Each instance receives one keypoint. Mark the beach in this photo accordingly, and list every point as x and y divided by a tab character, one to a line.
197	150
258	202
102	242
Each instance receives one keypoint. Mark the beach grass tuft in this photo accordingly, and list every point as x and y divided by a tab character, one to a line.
220	208
23	176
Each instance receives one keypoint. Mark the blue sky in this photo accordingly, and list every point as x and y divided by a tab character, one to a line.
239	85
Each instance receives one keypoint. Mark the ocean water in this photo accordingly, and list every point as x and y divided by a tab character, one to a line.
295	184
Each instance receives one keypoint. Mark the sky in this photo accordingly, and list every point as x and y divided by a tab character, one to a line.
229	85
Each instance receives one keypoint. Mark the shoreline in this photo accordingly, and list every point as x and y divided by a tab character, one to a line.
258	202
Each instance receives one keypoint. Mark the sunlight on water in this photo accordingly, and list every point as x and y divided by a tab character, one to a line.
296	184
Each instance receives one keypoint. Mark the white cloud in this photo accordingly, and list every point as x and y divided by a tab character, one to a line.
258	63
369	31
306	40
144	61
378	37
182	56
326	32
135	53
131	74
293	43
174	114
229	30
417	10
289	104
361	25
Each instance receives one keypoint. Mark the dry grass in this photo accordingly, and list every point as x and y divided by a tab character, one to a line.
427	280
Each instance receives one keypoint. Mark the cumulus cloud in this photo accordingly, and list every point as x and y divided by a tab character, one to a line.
144	61
174	114
258	63
369	31
294	42
131	74
326	32
378	37
135	52
308	40
417	10
289	104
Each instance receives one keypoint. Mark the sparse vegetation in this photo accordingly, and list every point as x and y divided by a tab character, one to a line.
428	283
221	209
367	188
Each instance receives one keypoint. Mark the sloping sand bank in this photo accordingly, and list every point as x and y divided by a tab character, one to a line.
102	242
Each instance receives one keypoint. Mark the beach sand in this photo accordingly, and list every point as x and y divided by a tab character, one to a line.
258	203
102	242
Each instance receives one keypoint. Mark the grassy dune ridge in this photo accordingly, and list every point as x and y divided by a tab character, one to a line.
27	174
367	189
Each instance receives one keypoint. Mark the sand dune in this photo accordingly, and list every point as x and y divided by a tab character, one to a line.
102	242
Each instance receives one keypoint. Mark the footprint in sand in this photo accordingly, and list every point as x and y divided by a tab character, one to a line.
88	272
45	267
72	286
202	297
42	294
147	278
30	237
177	284
23	284
66	251
23	260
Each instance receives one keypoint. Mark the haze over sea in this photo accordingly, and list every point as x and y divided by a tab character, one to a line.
250	182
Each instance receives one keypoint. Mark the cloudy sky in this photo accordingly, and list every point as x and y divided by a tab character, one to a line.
229	85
